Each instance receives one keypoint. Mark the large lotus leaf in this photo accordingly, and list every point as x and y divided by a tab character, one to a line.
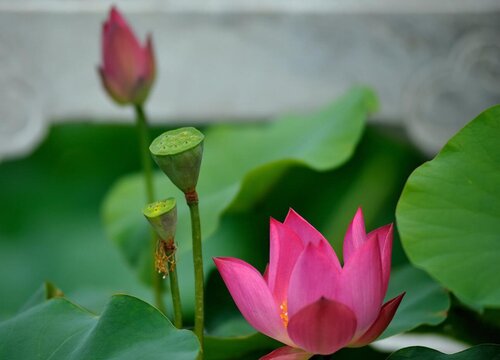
449	213
480	352
127	329
240	162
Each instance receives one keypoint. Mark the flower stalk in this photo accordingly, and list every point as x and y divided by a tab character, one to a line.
127	72
178	153
192	202
162	215
147	170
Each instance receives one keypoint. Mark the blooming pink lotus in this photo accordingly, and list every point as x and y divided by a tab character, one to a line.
306	299
128	69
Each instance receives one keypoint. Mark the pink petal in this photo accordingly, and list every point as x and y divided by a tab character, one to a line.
361	287
355	236
285	250
150	65
287	353
116	17
384	236
123	57
252	296
315	275
112	87
384	318
306	232
322	327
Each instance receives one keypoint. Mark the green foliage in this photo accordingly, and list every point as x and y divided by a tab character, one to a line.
425	302
49	229
49	219
373	179
449	213
241	162
128	329
481	352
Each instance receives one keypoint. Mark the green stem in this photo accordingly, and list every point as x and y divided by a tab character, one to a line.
147	165
192	201
147	169
176	296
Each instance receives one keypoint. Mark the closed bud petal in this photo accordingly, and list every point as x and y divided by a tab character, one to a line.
178	153
162	215
128	69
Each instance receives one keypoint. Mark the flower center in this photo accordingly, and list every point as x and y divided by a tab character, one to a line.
284	313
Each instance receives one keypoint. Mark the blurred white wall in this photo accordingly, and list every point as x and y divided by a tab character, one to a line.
434	64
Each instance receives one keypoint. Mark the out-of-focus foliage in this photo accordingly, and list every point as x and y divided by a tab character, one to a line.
449	213
241	164
481	352
49	217
128	329
324	167
373	179
426	302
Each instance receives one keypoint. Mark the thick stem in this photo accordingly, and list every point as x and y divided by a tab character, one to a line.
192	201
176	296
147	169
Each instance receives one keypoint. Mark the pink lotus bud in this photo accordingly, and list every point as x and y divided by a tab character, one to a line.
306	299
128	69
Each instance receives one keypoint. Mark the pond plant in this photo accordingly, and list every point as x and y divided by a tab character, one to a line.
309	292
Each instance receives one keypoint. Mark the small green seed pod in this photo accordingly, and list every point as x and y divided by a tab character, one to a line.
162	215
178	153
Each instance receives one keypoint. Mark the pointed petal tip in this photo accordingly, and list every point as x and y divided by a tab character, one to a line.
303	228
221	261
149	44
355	235
359	215
292	214
226	259
252	296
273	221
114	15
381	323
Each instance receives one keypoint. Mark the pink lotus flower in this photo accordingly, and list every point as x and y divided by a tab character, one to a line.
306	299
128	69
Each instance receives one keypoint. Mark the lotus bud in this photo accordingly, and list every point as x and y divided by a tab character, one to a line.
178	153
128	68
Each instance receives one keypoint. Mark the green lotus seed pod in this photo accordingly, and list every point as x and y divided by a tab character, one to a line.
162	215
178	153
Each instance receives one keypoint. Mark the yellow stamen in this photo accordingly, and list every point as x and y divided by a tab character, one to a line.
165	257
284	313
